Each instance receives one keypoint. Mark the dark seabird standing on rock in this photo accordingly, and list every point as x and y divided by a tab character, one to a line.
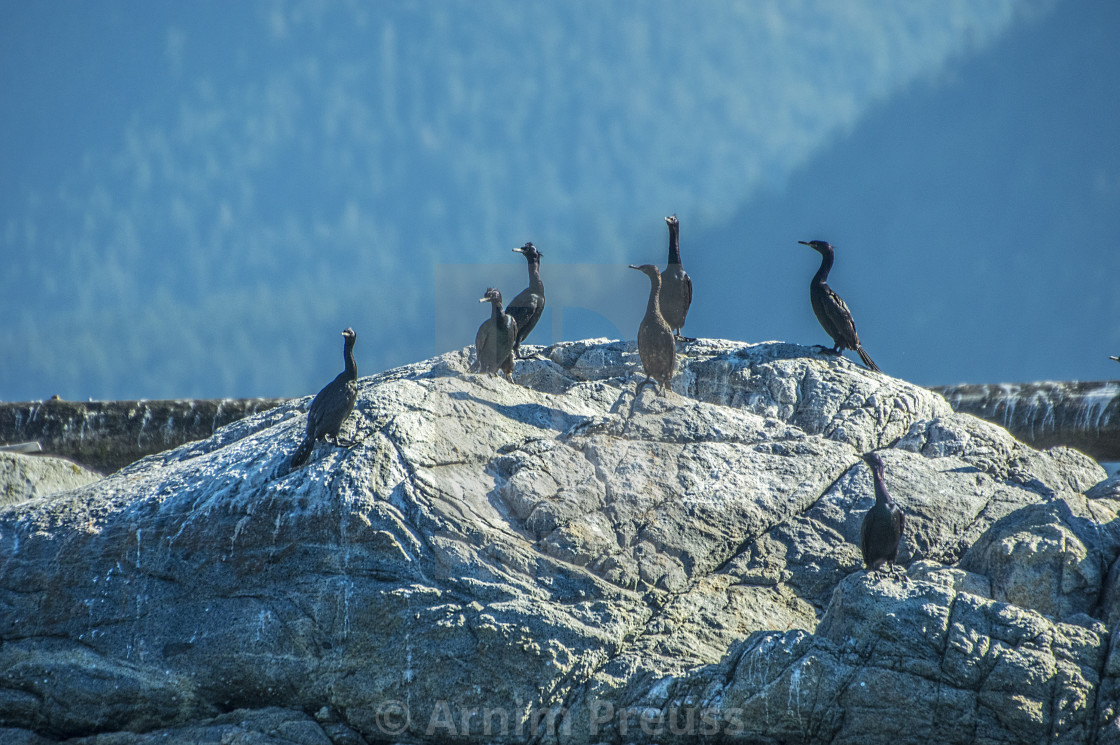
656	344
331	405
831	310
676	285
883	524
495	339
527	307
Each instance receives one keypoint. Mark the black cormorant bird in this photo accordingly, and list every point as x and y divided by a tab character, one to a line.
883	524
676	285
496	337
527	307
331	405
831	310
656	344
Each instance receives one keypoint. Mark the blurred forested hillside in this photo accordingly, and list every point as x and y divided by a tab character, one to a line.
975	218
197	198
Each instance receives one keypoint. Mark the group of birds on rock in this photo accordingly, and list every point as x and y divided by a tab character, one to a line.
498	343
498	340
670	296
881	530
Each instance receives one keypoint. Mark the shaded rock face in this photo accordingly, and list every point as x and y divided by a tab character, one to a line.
557	561
109	435
1084	415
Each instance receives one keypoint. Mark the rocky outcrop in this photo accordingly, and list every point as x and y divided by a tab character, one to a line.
24	477
1083	415
557	561
109	435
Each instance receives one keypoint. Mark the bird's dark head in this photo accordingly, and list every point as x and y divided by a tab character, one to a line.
648	269
672	221
492	296
876	463
821	247
530	251
349	335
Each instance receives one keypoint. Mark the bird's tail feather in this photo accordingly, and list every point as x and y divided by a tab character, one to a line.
302	453
867	359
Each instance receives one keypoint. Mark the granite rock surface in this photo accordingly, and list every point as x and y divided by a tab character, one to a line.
557	561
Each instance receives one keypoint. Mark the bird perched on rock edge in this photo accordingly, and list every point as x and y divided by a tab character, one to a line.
830	308
527	307
331	405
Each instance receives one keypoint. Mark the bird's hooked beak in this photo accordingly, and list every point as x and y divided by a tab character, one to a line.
818	245
633	266
484	300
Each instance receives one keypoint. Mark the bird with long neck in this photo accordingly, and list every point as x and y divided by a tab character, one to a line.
527	306
656	345
676	285
495	338
332	405
882	526
830	308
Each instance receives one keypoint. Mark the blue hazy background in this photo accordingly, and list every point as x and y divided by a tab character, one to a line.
195	198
